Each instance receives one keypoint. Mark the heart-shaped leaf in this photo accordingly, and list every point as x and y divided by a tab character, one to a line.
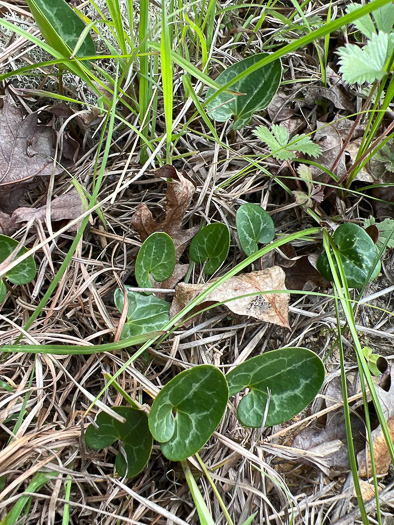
146	313
134	433
359	255
211	244
187	411
156	258
25	271
258	89
61	27
289	378
254	225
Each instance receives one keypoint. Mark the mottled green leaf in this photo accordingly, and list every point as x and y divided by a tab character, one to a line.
134	433
289	378
187	411
61	27
258	89
146	313
359	255
156	258
211	244
254	225
25	271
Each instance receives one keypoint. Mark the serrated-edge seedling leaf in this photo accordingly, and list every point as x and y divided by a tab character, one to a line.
359	65
282	148
358	253
134	434
61	27
364	24
146	313
211	244
155	258
26	270
258	89
187	411
289	378
254	225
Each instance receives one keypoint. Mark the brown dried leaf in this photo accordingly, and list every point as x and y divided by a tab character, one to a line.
334	94
302	272
179	194
380	452
270	308
26	151
329	139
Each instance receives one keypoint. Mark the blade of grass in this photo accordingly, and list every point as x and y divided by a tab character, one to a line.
167	76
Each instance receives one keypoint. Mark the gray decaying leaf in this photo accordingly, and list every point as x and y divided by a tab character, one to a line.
330	140
270	307
65	207
26	151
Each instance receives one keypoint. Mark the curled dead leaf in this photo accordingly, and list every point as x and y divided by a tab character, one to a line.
269	307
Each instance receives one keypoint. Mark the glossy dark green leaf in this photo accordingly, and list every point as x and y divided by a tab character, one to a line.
358	253
258	89
211	244
289	377
254	225
134	434
146	313
61	27
187	411
156	258
25	271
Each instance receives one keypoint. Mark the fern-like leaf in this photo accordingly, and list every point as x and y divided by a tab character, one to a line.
281	148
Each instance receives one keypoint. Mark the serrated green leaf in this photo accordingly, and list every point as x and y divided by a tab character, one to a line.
187	411
384	18
364	24
254	225
134	434
146	313
289	378
358	253
281	148
386	232
258	89
156	258
211	244
61	27
25	271
366	64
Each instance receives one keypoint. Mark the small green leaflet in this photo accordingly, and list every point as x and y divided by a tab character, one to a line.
367	64
23	273
289	378
359	255
386	232
384	19
134	433
258	89
187	411
156	258
281	148
254	225
211	244
146	313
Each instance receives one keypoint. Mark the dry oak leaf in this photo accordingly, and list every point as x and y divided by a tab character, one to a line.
269	307
179	194
26	151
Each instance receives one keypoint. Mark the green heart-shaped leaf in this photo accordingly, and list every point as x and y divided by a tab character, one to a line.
187	411
211	244
26	270
146	313
156	258
61	27
289	377
258	89
254	225
358	253
134	433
